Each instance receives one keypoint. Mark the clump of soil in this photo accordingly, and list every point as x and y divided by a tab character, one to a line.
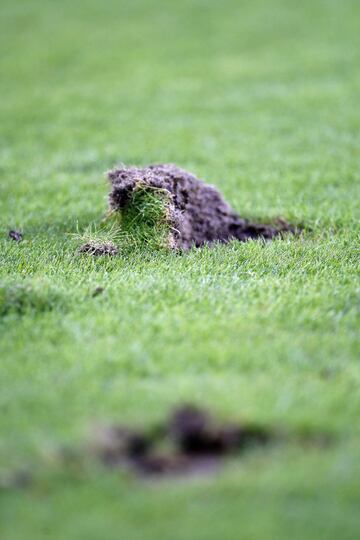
189	441
98	291
99	249
195	212
17	236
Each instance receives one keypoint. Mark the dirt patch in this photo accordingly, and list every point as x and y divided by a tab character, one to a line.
196	212
98	250
189	441
17	236
98	291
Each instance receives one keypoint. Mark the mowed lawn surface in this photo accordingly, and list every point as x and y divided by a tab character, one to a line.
260	98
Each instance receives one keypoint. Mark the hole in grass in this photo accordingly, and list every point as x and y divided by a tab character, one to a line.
190	441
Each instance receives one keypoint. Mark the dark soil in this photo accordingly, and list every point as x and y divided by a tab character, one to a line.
17	236
98	250
198	213
97	291
189	441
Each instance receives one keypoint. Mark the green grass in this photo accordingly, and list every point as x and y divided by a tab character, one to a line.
145	222
260	98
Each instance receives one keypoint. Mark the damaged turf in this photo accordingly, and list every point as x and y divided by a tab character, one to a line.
17	236
189	441
99	249
184	210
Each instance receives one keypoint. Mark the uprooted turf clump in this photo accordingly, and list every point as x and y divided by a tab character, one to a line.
167	206
146	219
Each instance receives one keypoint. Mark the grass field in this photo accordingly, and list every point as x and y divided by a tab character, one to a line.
260	98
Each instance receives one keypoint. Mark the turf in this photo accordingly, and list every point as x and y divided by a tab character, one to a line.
260	98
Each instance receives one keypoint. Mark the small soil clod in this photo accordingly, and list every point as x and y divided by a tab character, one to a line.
195	212
17	236
98	250
97	291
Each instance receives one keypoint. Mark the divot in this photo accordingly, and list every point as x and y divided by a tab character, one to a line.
190	441
17	236
98	291
193	212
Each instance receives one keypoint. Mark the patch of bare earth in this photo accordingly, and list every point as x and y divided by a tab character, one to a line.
190	441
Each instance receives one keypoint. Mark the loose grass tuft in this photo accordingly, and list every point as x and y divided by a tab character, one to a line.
99	240
145	220
144	223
